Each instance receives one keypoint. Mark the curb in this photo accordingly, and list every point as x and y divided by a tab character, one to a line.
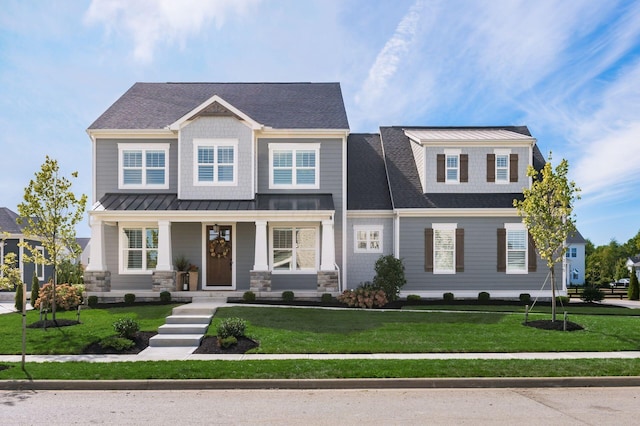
227	384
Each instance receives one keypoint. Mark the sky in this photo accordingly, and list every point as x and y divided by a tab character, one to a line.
569	70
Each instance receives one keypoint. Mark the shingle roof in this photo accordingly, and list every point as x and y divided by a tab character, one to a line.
277	105
576	238
367	186
8	221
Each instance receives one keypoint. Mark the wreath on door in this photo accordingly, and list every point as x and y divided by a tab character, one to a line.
219	248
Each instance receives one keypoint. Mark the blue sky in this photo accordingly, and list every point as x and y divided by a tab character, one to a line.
570	70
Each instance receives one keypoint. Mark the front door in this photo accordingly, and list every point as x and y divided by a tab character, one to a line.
219	256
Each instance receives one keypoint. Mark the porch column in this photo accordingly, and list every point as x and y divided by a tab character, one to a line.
328	256
164	246
260	253
96	251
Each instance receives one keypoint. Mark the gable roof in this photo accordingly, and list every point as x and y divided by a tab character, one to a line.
367	186
576	238
148	106
8	221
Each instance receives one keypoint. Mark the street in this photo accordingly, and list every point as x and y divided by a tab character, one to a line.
523	406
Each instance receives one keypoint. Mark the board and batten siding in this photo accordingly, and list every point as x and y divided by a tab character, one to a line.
106	173
480	260
216	128
361	266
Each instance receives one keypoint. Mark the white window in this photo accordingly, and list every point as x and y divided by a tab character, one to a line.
39	266
367	239
294	249
215	161
142	166
139	249
502	168
444	248
572	252
294	165
517	243
575	275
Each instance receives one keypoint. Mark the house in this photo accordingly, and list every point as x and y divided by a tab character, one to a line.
634	262
263	187
13	236
575	260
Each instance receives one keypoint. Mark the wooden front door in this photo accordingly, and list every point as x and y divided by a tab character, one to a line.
219	256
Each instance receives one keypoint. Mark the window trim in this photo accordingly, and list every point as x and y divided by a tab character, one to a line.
502	153
293	227
294	147
368	229
37	265
123	270
511	227
437	227
215	143
452	153
572	252
122	147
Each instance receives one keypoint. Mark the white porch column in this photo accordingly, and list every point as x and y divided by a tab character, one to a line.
164	246
97	260
328	256
260	253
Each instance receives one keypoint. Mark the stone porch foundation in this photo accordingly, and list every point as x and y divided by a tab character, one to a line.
260	281
163	281
327	282
97	281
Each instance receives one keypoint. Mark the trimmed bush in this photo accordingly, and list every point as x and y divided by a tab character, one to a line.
448	297
389	276
525	298
165	297
484	297
413	299
117	343
592	294
287	296
35	289
565	299
227	341
67	297
326	298
364	297
231	327
129	298
126	327
634	288
249	296
92	301
18	301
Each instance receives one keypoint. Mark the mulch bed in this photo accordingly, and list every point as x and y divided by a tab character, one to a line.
141	342
53	324
553	325
209	345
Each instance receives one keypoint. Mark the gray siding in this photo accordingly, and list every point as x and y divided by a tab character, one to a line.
477	172
360	266
121	282
106	169
480	258
186	240
245	247
216	128
294	282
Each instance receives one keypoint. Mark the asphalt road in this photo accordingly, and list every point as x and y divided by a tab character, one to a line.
523	406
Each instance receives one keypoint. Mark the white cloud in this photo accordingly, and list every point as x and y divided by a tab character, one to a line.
151	23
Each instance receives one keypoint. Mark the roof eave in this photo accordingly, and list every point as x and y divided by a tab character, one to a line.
178	124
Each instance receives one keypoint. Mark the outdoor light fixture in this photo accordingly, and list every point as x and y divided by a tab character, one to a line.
216	228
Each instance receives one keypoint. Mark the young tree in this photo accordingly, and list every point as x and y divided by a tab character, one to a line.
634	289
50	212
547	212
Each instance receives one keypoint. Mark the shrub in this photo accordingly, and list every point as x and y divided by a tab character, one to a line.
525	298
448	297
326	298
117	343
129	298
67	297
231	327
413	298
564	299
165	297
70	272
93	301
35	289
592	294
483	297
227	341
19	292
389	276
287	296
364	297
249	296
126	327
634	288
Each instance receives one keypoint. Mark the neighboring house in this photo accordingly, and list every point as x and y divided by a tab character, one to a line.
85	247
14	236
263	188
575	259
634	262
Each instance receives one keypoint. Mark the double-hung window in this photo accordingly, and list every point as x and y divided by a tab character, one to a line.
367	239
294	249
139	249
294	165
143	166
502	168
444	248
215	162
517	242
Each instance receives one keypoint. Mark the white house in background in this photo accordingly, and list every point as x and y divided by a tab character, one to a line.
575	260
634	262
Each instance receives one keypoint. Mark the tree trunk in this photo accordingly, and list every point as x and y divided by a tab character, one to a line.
553	294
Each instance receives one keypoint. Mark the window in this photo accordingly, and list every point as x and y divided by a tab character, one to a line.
39	266
452	168
216	161
294	165
294	249
139	248
143	166
575	275
572	252
516	250
502	168
444	248
367	239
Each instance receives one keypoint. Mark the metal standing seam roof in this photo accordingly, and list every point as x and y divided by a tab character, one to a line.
465	134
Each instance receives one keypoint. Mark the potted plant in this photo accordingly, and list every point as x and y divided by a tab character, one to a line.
193	277
182	276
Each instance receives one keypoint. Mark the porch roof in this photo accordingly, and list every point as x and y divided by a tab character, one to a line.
170	202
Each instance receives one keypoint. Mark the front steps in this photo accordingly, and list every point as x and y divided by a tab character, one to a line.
187	324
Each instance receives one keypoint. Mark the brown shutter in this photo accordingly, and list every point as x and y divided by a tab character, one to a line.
513	168
440	168
464	167
502	250
428	249
533	257
491	167
459	250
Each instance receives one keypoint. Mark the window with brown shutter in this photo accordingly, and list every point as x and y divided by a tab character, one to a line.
464	167
533	257
491	167
459	250
513	168
502	250
440	171
428	249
